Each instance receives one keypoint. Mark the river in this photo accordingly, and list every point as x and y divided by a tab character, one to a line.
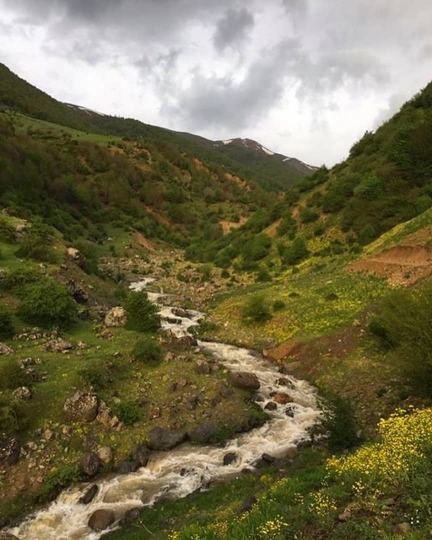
185	469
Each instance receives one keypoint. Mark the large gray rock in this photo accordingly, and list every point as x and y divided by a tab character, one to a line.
141	455
5	349
22	393
90	463
10	450
115	317
82	406
244	379
101	520
204	433
165	439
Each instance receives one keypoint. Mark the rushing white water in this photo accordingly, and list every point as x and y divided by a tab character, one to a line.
179	472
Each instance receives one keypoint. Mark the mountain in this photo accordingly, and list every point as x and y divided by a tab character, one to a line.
386	180
272	174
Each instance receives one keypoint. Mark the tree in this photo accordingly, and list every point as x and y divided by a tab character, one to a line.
142	315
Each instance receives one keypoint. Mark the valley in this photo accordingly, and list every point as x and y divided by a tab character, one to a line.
198	343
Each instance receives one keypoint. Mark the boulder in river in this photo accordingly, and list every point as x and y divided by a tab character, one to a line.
101	520
82	406
282	398
127	467
270	406
229	458
178	342
10	450
141	455
90	463
89	495
165	439
244	379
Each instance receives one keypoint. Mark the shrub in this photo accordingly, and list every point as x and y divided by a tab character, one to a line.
96	376
263	276
8	419
147	351
6	326
403	323
142	315
128	412
256	310
278	305
47	304
11	375
339	422
37	247
17	280
57	480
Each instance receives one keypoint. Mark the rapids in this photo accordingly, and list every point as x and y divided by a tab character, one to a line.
179	472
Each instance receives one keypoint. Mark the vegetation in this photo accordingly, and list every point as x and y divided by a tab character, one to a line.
47	304
7	329
142	314
148	351
256	310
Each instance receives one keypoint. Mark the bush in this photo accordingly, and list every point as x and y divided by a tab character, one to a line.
128	412
403	324
6	326
96	376
17	280
147	351
11	375
278	305
339	422
256	310
142	315
8	419
47	304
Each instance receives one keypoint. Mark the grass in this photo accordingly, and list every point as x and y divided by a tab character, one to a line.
318	301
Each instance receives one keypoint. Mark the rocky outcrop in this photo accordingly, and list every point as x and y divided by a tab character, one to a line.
101	520
244	379
165	439
5	350
77	292
178	342
23	393
81	407
282	398
90	464
58	345
10	450
204	433
105	454
141	455
229	458
75	256
115	317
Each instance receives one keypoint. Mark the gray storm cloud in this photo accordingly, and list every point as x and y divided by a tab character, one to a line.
229	66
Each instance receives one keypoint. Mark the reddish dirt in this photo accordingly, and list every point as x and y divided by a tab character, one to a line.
142	241
271	230
401	265
228	225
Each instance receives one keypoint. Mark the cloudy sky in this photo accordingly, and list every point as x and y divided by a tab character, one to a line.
303	77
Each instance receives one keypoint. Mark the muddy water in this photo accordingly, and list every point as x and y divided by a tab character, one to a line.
182	471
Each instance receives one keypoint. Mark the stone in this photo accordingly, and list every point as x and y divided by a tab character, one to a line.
344	516
75	255
115	317
10	450
283	381
90	463
82	406
244	379
270	406
229	458
7	536
178	342
77	292
127	467
130	516
101	520
291	453
403	528
89	495
267	458
58	345
247	505
5	350
202	367
105	454
141	455
204	433
165	439
23	393
282	398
